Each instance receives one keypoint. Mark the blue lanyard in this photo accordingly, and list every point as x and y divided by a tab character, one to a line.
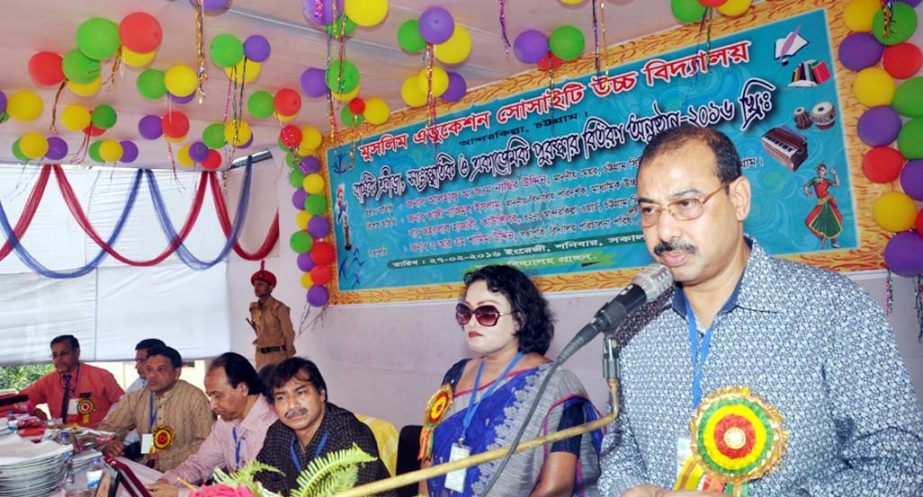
698	356
236	447
153	412
475	402
320	447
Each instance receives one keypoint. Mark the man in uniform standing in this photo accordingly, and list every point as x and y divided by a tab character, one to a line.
271	321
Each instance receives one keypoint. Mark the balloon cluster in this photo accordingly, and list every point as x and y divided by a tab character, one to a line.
241	60
877	48
345	15
694	10
549	52
284	105
315	253
451	45
102	151
31	146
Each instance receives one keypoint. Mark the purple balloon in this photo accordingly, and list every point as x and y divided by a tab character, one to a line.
317	296
298	198
249	142
309	165
2	102
129	151
860	50
314	82
181	100
912	3
305	263
457	88
198	152
912	179
212	6
436	25
57	148
530	46
904	254
256	48
320	11
149	127
879	126
318	226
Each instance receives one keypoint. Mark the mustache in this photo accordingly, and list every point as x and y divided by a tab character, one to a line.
674	245
294	413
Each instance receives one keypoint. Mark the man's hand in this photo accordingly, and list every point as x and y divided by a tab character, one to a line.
40	414
655	491
163	489
114	448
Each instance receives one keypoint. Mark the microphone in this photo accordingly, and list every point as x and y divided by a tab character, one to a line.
645	287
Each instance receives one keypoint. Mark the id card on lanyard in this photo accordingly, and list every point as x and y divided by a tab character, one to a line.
147	439
699	352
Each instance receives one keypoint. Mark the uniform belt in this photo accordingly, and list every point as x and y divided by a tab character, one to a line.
268	350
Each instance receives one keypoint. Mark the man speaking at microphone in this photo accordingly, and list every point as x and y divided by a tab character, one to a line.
741	333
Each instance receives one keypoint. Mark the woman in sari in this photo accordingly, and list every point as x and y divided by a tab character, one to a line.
484	400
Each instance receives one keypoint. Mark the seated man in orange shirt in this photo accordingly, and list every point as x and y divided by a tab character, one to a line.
76	392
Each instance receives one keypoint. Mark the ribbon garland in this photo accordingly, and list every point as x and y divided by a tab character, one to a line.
506	39
201	74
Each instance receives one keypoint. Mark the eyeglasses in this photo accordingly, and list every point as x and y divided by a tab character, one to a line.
684	209
486	315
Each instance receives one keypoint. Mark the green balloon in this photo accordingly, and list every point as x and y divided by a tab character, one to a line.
335	28
150	84
301	242
902	26
79	68
295	178
260	104
94	151
98	38
567	42
226	50
908	100
4	117
290	159
18	153
315	204
103	116
349	119
213	136
910	139
687	10
409	38
342	77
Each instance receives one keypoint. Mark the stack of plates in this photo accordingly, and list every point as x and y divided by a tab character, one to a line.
36	474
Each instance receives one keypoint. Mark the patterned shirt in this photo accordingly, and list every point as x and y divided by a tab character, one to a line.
87	382
811	343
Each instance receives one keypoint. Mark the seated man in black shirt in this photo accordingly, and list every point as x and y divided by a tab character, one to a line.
309	427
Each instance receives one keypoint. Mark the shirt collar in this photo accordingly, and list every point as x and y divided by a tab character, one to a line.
260	411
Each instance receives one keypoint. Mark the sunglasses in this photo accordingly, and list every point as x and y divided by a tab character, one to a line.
486	315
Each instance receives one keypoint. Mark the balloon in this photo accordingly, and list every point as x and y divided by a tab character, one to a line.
321	273
75	117
456	49
290	136
440	81
313	82
322	253
357	105
313	183
103	116
315	205
894	211
309	165
734	8
237	132
213	161
182	156
436	25
213	136
377	110
908	100
129	151
306	281
181	100
296	179
713	3
198	152
912	3
410	92
180	80
345	97
175	124
318	295
45	68
571	2
212	6
134	59
140	32
860	50
311	137
319	226
530	46
151	85
256	48
93	151
366	12
911	180
110	151
305	151
566	42
25	106
304	260
342	77
18	153
290	159
687	10
456	89
879	126
246	71
340	26
226	50
858	14
299	198
902	26
882	164
86	90
349	119
910	139
260	104
287	102
903	60
57	148
92	130
873	87
408	36
323	15
149	127
33	145
549	61
903	254
301	242
98	38
79	68
2	102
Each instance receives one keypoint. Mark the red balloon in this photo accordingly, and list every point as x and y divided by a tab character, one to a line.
290	136
174	124
918	224
321	274
213	161
713	3
287	102
549	61
92	130
140	32
322	253
903	60
45	68
357	105
882	164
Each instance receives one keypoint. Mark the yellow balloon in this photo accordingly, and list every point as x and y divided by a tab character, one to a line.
253	71
304	151
182	156
456	49
33	145
306	280
178	139
858	14
111	151
239	128
75	117
302	218
180	80
366	12
25	106
440	81
376	110
894	212
572	2
135	59
346	97
87	90
410	92
734	8
310	137
873	86
313	183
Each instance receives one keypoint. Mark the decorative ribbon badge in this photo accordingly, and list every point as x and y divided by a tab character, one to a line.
85	407
736	437
163	438
435	412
